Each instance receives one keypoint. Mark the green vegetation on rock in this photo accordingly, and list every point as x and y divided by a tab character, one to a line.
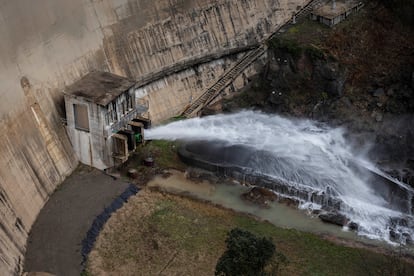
290	46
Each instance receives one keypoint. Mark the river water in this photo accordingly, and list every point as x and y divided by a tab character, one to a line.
312	157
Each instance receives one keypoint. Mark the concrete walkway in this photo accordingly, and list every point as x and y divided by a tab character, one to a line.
55	241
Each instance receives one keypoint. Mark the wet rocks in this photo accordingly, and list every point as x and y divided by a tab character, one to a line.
353	226
408	239
199	175
289	201
334	218
400	237
260	196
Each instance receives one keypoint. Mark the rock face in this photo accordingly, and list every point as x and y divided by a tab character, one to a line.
53	43
331	78
298	79
334	218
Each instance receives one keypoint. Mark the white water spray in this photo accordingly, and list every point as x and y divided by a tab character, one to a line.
305	154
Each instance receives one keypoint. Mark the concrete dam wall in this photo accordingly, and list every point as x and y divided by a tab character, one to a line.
49	44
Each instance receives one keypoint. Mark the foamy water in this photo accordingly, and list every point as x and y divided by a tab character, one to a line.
307	155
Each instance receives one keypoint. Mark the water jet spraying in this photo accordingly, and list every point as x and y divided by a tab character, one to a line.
310	161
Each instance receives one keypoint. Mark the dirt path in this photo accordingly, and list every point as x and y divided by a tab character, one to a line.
55	241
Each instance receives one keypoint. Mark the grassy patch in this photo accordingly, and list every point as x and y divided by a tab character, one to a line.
188	229
306	32
163	152
180	236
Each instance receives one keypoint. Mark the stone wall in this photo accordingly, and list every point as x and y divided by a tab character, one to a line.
51	43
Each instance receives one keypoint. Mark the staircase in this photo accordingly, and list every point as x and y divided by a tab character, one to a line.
213	91
228	77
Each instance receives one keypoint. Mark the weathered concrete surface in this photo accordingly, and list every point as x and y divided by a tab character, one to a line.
55	241
35	156
52	43
58	41
170	95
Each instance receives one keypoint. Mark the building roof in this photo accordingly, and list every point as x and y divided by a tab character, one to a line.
99	87
327	10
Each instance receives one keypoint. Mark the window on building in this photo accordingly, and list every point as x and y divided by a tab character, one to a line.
110	115
81	117
130	102
123	108
114	112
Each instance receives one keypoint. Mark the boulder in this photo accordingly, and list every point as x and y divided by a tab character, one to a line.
353	226
408	239
260	196
395	236
289	201
334	218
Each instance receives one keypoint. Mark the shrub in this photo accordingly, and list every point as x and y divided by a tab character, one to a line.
246	254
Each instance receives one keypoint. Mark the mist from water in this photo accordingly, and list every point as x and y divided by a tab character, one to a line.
308	155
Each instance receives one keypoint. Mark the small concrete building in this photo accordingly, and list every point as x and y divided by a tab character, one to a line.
333	12
104	119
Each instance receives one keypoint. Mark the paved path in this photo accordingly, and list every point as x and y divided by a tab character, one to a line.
55	241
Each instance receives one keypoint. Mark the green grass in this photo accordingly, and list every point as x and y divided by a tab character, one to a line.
190	228
186	228
163	152
311	255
